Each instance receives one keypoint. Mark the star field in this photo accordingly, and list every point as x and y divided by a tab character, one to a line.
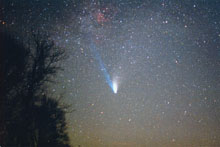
164	55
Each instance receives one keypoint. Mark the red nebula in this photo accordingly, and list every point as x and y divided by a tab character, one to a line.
101	19
105	14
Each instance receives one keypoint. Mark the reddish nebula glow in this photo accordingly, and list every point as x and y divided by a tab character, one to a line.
100	18
105	14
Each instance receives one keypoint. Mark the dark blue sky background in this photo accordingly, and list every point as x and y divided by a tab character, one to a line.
164	56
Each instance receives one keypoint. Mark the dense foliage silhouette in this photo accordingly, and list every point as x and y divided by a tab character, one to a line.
29	117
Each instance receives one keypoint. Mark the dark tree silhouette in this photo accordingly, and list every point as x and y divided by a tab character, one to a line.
27	117
51	119
13	58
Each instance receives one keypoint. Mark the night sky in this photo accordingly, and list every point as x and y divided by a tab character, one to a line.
162	56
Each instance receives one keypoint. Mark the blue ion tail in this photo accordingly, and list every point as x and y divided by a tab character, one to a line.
102	66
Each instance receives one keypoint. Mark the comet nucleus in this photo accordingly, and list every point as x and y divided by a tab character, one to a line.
115	87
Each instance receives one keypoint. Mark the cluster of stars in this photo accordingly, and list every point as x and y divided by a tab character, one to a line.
165	55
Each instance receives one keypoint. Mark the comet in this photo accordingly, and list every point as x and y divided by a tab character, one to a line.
115	87
96	55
